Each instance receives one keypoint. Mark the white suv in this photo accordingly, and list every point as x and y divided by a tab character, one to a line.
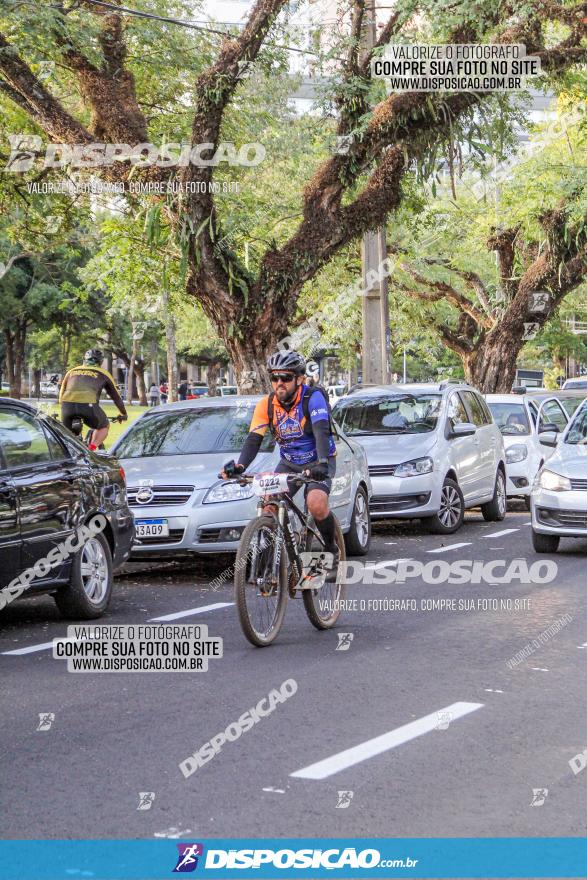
432	450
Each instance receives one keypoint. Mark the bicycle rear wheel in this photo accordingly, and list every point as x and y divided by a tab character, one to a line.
260	602
322	605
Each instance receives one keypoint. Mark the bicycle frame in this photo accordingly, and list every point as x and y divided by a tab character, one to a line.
285	533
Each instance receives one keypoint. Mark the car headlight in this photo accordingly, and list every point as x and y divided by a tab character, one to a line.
227	492
553	482
415	467
517	452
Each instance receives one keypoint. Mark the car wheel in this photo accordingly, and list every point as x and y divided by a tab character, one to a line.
90	587
545	543
496	509
451	512
358	537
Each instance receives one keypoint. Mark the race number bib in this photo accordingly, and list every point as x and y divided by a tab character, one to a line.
270	484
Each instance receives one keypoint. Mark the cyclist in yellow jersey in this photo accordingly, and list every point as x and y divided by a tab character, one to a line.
80	392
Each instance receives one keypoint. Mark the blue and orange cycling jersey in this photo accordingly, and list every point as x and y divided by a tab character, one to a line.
297	443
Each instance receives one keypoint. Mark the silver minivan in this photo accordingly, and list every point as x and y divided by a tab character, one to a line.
433	451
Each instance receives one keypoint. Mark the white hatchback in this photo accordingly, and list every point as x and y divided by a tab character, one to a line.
559	496
516	417
433	451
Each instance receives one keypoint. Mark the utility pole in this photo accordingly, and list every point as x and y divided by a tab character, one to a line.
376	331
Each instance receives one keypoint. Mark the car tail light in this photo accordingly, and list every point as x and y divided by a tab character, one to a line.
122	474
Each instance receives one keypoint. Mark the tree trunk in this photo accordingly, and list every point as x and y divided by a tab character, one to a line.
171	347
130	371
139	371
492	366
154	362
37	373
15	346
65	351
212	378
10	362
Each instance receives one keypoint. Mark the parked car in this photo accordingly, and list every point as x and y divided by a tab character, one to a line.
50	485
228	390
433	451
516	416
197	389
559	496
575	383
335	392
570	400
172	456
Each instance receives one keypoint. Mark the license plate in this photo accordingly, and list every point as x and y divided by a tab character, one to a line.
152	528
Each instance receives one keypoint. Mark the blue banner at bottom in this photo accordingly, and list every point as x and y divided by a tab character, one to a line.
303	858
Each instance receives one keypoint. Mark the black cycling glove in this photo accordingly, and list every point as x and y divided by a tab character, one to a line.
319	470
232	469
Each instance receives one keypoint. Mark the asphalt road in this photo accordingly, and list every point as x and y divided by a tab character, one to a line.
504	730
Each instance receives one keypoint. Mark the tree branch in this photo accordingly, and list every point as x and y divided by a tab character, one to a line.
20	83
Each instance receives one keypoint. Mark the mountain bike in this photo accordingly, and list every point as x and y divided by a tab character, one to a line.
269	563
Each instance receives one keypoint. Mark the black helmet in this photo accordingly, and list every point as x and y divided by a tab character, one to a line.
93	356
287	360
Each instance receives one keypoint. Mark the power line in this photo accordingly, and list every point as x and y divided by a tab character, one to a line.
193	25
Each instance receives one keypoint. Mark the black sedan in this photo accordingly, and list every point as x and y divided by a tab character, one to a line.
65	524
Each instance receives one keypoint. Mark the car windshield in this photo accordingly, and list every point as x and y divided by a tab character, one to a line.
389	414
510	418
188	431
578	431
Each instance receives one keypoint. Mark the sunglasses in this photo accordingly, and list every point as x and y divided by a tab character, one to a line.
282	377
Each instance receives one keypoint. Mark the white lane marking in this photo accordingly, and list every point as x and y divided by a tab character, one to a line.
276	790
44	647
584	645
31	649
373	566
450	547
493	691
390	542
499	534
539	668
189	611
527	524
379	744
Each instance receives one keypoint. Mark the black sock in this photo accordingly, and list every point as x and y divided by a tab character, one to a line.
326	527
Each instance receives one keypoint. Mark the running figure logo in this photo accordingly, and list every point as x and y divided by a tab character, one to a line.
188	857
344	641
146	799
344	799
46	719
539	795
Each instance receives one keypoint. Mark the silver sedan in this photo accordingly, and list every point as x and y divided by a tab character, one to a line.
172	456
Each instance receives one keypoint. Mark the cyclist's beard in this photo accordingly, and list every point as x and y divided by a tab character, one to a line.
287	401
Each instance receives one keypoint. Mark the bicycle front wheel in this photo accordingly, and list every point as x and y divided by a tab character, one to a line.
323	605
260	599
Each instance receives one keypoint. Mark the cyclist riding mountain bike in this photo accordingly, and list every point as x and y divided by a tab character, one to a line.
80	392
299	418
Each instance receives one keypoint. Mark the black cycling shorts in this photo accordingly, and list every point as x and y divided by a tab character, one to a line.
91	414
286	467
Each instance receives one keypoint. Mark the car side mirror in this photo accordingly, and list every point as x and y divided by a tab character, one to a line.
550	437
464	429
549	428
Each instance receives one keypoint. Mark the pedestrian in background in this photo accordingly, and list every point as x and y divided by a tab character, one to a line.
182	390
154	395
164	390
